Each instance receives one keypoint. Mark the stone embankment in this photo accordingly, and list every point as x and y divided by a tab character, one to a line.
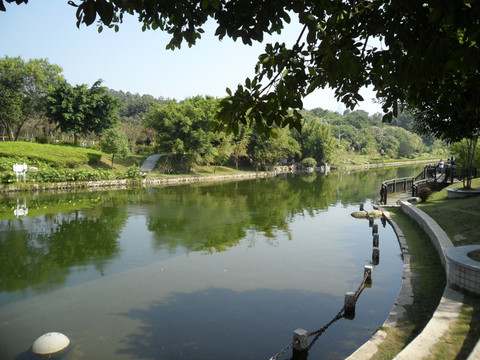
146	182
127	183
447	311
379	165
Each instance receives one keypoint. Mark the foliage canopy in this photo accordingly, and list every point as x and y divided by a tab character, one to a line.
79	109
23	91
401	48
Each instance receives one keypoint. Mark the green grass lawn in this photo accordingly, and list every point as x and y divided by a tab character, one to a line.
428	283
460	218
54	155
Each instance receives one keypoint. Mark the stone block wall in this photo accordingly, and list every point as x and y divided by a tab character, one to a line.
463	271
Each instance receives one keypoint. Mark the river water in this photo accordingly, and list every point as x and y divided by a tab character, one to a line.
209	271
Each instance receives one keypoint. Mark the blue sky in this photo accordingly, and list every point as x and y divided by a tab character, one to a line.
136	61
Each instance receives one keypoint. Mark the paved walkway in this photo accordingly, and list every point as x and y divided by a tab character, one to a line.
448	309
150	162
392	199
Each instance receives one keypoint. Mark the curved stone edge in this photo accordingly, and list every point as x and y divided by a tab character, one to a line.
128	183
404	298
447	311
451	303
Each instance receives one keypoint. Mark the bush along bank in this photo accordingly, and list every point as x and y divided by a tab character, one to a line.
47	174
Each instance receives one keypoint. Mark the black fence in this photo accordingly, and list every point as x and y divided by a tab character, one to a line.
430	177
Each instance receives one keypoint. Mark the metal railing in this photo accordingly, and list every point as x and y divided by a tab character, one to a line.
429	177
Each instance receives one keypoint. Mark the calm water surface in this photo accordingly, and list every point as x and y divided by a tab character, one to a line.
209	271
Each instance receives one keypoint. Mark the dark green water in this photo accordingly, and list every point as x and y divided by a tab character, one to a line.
210	271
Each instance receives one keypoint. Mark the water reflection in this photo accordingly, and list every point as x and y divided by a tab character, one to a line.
126	272
42	250
61	232
21	209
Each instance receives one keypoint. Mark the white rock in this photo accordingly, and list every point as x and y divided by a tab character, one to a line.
50	343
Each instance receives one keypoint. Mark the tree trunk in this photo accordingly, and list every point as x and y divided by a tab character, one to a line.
113	155
472	144
75	140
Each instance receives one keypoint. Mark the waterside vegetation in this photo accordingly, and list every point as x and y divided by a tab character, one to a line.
459	218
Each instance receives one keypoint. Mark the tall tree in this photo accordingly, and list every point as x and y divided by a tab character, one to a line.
115	142
266	151
453	120
23	91
401	48
316	140
80	109
184	128
398	47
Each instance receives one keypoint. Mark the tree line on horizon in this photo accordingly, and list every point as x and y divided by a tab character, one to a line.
418	56
38	104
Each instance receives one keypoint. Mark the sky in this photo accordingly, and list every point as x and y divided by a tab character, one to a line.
137	62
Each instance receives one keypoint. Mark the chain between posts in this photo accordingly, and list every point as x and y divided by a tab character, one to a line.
283	351
362	285
320	331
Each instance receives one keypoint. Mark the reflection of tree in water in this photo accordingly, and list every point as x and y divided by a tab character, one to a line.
42	250
362	185
218	323
214	217
207	217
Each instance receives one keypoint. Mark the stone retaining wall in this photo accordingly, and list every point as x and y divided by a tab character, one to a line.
437	235
463	271
126	183
379	165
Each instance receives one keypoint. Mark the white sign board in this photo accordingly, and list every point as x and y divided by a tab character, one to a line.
20	170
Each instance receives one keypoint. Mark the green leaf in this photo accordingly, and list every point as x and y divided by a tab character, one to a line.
89	12
105	10
387	117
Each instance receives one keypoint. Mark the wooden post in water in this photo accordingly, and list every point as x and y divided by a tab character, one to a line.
300	345
368	273
370	221
350	302
374	229
376	256
361	207
375	240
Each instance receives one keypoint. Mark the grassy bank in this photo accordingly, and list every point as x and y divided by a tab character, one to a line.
460	218
428	282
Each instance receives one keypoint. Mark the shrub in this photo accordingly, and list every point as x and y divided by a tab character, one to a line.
42	140
55	155
424	193
133	172
144	149
309	162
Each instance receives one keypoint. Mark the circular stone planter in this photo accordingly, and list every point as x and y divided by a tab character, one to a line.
50	344
460	193
462	270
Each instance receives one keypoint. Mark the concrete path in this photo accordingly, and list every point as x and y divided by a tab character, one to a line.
150	162
392	199
445	316
447	311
